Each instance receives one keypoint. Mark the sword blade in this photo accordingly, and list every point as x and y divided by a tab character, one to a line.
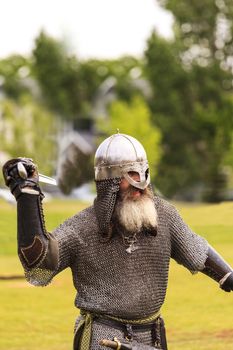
47	180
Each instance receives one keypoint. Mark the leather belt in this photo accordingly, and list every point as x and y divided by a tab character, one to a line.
125	326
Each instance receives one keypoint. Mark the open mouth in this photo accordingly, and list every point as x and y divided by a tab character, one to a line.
136	192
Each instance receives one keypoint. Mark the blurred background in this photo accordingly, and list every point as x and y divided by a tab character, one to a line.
72	73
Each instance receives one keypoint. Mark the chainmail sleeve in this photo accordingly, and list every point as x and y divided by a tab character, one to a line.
67	238
187	248
42	273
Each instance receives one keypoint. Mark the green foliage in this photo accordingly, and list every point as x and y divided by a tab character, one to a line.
70	86
172	112
125	70
192	100
14	72
204	28
67	85
57	75
134	119
213	121
28	130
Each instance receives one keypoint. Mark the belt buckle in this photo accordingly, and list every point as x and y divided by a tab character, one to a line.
129	331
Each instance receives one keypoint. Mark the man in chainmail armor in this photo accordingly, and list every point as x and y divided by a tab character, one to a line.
118	249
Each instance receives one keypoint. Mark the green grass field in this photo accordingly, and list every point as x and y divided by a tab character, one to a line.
198	314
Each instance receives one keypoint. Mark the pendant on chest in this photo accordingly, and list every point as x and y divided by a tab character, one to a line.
130	241
131	248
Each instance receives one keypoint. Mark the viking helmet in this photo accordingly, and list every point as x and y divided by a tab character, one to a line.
117	156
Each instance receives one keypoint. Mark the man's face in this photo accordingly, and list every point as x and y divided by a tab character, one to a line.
127	189
135	208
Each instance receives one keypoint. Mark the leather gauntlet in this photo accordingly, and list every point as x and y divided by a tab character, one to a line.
21	176
219	270
34	242
32	235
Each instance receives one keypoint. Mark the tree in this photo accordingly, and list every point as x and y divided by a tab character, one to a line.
204	29
28	130
57	76
192	104
171	112
14	72
69	86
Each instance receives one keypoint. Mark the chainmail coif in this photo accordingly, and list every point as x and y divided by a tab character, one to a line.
104	204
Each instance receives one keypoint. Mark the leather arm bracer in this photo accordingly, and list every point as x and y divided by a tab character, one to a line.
35	244
219	270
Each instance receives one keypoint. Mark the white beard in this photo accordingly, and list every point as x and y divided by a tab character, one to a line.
133	215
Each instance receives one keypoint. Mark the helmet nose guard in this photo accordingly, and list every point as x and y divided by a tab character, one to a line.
118	155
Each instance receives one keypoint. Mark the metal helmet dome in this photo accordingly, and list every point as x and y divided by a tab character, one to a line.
117	156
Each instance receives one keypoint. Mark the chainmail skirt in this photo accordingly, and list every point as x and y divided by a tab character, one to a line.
100	330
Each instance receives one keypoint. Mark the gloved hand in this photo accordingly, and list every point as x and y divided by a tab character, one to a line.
21	175
227	286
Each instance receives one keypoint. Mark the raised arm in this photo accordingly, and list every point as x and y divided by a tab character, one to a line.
36	247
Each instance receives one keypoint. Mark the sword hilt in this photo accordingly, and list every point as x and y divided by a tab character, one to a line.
115	344
42	178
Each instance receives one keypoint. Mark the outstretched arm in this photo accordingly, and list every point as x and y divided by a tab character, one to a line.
36	247
195	253
219	270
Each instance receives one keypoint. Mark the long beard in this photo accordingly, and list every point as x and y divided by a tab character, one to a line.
135	215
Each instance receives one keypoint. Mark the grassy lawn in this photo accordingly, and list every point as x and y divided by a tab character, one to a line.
198	314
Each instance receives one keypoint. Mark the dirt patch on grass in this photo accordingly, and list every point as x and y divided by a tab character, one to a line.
11	277
177	337
221	334
225	334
